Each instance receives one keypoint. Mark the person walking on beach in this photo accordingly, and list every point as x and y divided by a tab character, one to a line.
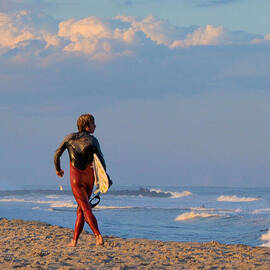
81	146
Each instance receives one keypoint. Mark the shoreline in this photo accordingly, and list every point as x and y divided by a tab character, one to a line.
38	245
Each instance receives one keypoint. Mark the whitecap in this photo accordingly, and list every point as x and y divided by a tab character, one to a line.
112	207
13	200
234	198
52	202
171	193
262	210
266	237
52	196
181	194
63	205
220	210
194	215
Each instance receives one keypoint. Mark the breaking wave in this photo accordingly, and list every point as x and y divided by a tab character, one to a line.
220	210
52	203
70	208
13	200
63	205
266	237
153	192
195	215
52	196
144	192
234	198
26	201
263	210
172	194
113	207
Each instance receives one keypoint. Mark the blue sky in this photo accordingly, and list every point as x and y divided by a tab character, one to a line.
247	15
180	89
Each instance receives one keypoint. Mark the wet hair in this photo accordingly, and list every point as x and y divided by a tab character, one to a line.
84	121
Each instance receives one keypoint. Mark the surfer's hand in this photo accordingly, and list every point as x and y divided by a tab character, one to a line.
60	173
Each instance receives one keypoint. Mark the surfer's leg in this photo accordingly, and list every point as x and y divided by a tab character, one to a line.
79	224
82	184
99	238
91	220
88	216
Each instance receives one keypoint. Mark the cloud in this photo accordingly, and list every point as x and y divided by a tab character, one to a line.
265	39
215	36
19	29
27	33
95	37
123	57
208	35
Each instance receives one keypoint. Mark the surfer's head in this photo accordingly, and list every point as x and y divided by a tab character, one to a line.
86	122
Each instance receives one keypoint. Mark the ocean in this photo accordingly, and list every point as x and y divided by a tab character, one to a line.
191	214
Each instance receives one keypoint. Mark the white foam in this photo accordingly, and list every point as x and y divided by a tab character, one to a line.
266	237
173	194
52	202
193	215
157	190
60	204
112	207
63	205
181	194
220	210
52	196
234	198
12	200
263	210
202	208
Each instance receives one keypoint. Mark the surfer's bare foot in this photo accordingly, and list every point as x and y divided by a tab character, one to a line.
72	243
99	240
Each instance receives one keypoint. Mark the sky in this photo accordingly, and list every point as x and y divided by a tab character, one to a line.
179	89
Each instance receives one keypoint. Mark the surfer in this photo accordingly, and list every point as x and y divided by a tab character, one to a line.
81	146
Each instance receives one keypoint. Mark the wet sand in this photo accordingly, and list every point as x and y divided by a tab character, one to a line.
36	245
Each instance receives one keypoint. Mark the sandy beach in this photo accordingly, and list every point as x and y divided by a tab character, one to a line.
36	245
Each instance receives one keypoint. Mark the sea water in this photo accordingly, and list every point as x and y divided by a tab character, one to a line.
190	214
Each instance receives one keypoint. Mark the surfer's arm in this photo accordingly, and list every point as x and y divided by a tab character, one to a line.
97	150
59	151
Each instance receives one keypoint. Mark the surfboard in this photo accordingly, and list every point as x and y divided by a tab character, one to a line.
102	181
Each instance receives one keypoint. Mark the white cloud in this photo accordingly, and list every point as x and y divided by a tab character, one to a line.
95	37
102	39
208	35
265	39
18	29
160	31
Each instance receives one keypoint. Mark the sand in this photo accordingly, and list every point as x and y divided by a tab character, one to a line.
36	245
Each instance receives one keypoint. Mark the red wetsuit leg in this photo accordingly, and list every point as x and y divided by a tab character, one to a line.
79	224
82	182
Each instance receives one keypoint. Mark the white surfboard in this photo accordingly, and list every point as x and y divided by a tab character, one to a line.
101	178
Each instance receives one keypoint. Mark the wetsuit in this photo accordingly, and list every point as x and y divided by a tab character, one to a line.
81	146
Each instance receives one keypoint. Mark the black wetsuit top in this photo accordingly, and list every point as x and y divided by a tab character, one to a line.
81	147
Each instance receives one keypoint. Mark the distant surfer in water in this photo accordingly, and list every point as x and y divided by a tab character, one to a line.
81	147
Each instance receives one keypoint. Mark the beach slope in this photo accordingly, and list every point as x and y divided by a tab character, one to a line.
36	245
